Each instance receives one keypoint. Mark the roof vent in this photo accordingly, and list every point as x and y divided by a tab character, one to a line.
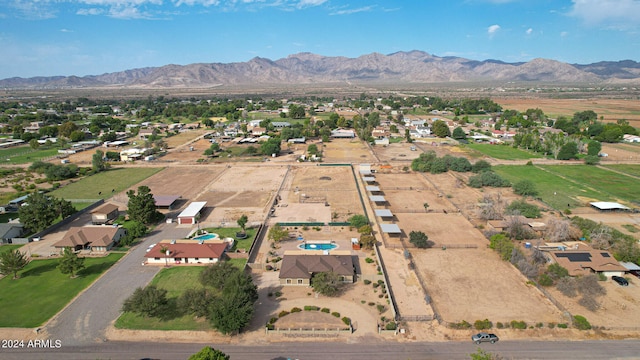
173	241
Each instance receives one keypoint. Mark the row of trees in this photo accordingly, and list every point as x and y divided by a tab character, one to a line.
11	262
226	299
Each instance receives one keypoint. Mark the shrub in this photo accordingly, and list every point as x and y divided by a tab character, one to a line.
283	313
325	310
311	308
371	303
563	326
589	303
391	326
460	325
278	294
545	280
367	282
482	324
368	260
270	327
336	314
273	320
380	308
525	188
346	320
488	178
581	323
567	286
295	310
539	325
518	324
375	285
551	325
523	208
499	325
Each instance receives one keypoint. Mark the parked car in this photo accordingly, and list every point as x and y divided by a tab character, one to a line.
620	280
484	337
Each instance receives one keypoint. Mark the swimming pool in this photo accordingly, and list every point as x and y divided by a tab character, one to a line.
206	237
317	246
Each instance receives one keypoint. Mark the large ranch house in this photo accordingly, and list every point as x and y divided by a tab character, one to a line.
186	253
298	269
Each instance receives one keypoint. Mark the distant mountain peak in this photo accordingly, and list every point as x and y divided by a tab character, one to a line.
413	66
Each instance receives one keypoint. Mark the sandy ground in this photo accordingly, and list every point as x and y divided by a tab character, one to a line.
333	185
398	152
347	151
620	152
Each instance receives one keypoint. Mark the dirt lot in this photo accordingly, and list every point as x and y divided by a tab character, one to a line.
184	154
474	284
618	307
620	152
398	152
347	151
334	185
241	190
611	109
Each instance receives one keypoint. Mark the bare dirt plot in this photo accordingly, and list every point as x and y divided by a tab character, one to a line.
334	185
620	152
185	154
184	137
241	190
186	181
615	220
619	307
443	229
347	151
611	109
474	284
396	152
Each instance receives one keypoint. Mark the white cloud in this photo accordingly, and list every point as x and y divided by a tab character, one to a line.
492	30
92	11
529	31
309	3
564	34
620	14
352	11
66	30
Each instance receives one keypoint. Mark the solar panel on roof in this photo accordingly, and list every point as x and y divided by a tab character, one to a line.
575	257
604	254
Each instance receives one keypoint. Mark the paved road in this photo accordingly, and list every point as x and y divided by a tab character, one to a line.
85	319
364	350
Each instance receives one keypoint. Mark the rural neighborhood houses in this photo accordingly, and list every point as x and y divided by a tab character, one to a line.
93	238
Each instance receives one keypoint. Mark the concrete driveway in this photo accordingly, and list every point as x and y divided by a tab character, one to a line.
85	319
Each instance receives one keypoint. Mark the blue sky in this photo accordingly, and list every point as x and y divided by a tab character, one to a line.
91	37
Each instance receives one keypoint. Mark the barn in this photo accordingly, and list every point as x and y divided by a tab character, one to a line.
192	213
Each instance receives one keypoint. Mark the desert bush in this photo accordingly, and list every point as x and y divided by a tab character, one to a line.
325	310
563	326
499	325
483	324
369	260
581	323
588	285
567	286
551	325
589	303
283	313
460	325
346	320
545	280
273	320
295	310
539	325
518	324
311	308
336	314
391	326
380	308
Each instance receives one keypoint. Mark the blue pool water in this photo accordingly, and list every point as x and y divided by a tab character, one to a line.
206	237
317	246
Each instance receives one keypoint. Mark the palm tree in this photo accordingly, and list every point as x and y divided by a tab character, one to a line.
165	250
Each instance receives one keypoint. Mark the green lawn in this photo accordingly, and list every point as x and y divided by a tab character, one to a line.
42	290
25	154
231	232
502	152
5	248
554	190
175	280
118	179
612	186
239	262
633	170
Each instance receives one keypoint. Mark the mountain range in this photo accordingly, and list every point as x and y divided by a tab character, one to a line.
307	68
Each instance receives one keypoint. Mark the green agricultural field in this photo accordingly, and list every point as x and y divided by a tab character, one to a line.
118	179
553	189
502	152
175	280
43	290
612	186
25	155
633	170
